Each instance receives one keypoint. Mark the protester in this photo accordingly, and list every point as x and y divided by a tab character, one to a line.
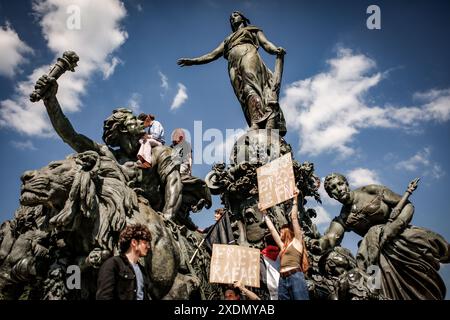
183	151
123	277
154	137
238	291
250	295
270	266
293	257
232	293
217	215
155	129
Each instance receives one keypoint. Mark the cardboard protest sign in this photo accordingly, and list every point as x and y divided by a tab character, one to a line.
276	182
230	263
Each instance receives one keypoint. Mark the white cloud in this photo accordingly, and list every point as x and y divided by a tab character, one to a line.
360	177
134	103
164	82
109	67
421	162
12	51
421	158
100	34
436	171
180	97
323	217
23	145
329	109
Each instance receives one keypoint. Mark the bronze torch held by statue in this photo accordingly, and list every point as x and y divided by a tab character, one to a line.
67	62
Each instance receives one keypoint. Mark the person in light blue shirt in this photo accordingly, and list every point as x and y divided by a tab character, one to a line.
122	277
155	128
139	281
154	137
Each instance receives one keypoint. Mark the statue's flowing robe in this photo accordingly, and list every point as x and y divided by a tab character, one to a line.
250	76
409	263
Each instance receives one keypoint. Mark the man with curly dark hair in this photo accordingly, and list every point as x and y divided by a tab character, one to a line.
123	277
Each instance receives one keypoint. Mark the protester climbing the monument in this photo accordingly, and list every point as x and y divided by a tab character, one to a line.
217	215
182	151
123	277
293	256
153	138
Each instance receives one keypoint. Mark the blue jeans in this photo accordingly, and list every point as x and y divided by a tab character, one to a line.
293	287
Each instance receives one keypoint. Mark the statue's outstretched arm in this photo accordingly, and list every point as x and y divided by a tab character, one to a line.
269	46
399	218
209	57
330	239
61	124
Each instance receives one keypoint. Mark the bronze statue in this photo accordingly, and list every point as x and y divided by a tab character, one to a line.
121	134
79	205
255	86
408	257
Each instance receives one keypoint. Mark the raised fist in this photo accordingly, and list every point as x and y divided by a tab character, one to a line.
45	88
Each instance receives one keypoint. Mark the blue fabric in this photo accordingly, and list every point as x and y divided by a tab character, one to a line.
156	131
293	287
139	282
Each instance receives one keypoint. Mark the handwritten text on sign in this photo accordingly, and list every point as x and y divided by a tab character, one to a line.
230	263
276	182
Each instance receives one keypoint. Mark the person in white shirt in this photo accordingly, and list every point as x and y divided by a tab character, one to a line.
182	150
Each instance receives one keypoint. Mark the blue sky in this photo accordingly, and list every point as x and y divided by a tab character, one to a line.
372	104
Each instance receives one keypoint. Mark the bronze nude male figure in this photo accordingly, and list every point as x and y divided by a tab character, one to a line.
255	86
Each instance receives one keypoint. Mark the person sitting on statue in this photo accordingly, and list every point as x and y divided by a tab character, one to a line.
182	151
408	257
155	129
255	86
293	256
154	137
123	277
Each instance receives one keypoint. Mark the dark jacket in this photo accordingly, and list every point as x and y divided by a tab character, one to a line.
117	281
